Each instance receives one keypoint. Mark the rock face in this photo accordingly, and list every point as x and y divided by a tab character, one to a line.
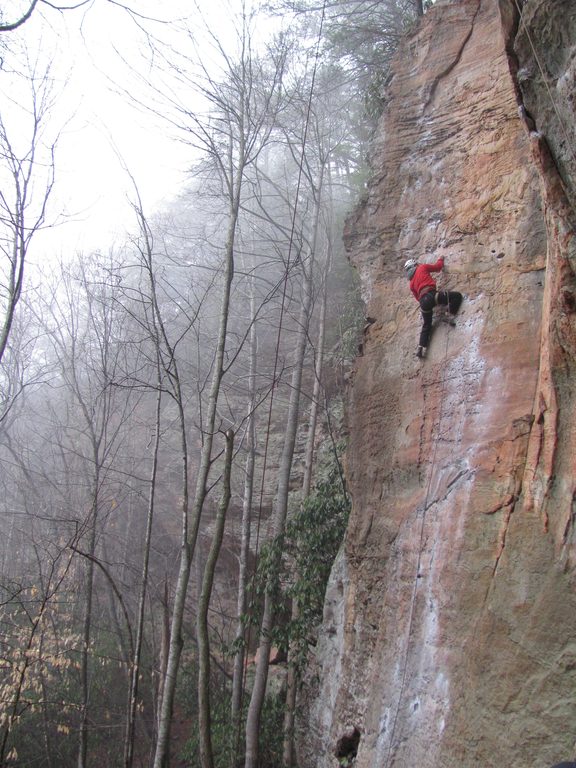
449	635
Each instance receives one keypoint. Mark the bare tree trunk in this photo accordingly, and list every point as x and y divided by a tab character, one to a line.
313	421
87	595
167	353
45	718
135	669
238	673
204	718
278	526
125	641
162	746
163	655
87	368
96	407
292	678
281	505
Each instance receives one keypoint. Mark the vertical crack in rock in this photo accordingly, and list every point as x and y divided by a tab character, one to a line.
454	63
509	507
571	522
513	453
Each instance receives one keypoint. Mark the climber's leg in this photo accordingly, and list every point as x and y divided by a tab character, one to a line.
442	298
427	304
454	301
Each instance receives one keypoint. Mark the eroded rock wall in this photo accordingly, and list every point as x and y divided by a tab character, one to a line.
450	626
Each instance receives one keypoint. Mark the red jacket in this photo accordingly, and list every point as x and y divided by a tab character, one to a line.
422	281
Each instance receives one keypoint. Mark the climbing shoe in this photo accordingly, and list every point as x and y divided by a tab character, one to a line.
421	352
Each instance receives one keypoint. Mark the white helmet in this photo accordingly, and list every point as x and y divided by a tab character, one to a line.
410	268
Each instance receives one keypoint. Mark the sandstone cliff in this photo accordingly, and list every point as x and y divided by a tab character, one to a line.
449	635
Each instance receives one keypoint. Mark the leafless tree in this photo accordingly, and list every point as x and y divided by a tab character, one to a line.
231	136
83	324
27	171
204	709
12	25
150	317
248	497
315	137
279	521
315	404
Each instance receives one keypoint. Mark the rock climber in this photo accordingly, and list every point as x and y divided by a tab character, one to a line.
423	287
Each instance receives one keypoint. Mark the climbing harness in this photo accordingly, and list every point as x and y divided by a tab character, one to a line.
444	315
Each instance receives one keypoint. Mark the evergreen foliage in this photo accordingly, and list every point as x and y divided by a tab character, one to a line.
307	550
313	537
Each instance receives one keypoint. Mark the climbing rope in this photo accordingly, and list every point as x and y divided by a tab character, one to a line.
546	83
419	561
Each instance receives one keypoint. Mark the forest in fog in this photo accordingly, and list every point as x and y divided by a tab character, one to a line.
171	404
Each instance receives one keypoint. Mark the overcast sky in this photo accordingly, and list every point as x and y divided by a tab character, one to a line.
92	50
86	48
93	182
